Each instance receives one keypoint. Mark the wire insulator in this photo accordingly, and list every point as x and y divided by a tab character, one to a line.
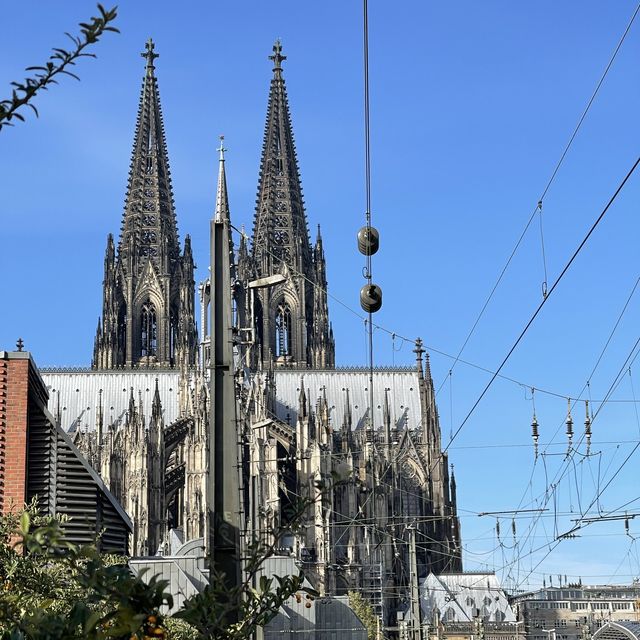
569	426
587	426
371	298
534	434
368	241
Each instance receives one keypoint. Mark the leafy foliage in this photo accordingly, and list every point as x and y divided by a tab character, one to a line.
55	589
58	64
363	610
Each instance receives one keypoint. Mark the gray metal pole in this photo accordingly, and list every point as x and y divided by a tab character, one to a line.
415	591
223	486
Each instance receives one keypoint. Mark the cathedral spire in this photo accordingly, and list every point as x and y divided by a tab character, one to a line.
156	405
149	214
148	308
280	226
292	319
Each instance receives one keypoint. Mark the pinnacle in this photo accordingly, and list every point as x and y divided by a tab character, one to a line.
149	54
277	56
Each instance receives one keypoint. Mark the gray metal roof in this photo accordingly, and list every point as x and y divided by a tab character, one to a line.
460	596
77	394
404	394
619	630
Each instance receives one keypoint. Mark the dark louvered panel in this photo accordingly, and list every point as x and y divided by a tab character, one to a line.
76	496
41	460
115	536
91	513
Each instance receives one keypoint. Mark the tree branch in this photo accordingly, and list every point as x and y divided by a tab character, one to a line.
58	64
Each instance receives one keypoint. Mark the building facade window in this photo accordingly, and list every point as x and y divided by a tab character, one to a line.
148	331
283	330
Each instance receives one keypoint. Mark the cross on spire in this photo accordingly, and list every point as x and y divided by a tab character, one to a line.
277	56
149	53
221	148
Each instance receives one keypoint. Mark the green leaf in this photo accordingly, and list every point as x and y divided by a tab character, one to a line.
25	521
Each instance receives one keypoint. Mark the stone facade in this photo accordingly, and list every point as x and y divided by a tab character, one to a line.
373	473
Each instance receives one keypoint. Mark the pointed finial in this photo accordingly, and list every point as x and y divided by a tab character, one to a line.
20	344
419	351
149	53
277	56
221	149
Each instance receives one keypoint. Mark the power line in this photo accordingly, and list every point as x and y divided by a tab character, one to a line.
554	173
544	300
564	469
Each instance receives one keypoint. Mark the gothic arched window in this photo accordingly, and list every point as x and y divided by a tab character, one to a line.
283	330
149	330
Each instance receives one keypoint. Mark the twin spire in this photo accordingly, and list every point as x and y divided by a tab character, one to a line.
280	230
148	287
148	308
149	226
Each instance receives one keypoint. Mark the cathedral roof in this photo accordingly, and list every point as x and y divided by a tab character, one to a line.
75	395
403	386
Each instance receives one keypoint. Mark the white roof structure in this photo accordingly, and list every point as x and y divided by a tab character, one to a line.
77	394
404	394
460	597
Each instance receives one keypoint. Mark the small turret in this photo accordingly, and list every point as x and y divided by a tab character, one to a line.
156	405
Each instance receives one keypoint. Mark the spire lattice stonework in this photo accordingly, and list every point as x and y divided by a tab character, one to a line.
292	323
148	299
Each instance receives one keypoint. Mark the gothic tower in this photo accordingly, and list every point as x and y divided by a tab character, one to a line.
148	296
291	319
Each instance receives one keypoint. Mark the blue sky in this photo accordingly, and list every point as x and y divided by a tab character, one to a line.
471	106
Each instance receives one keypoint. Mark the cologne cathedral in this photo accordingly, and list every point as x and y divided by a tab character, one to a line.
141	413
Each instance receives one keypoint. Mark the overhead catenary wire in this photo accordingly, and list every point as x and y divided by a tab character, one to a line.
550	181
371	359
565	467
586	385
551	486
544	300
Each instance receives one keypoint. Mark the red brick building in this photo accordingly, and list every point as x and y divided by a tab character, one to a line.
39	461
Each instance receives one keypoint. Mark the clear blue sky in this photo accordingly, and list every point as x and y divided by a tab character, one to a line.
472	104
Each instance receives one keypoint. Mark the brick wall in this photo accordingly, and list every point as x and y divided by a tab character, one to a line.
4	366
14	393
